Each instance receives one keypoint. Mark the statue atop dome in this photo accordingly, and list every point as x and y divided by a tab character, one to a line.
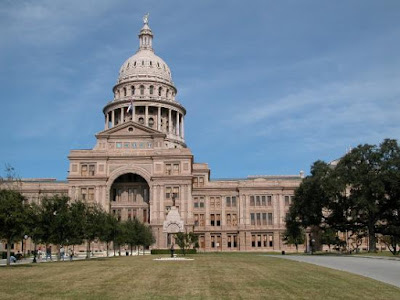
146	18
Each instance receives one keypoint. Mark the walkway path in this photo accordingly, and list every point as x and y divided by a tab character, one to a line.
384	270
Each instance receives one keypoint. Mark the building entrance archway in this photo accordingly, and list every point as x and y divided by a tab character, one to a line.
130	198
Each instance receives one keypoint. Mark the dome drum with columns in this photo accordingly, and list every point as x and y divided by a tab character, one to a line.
145	94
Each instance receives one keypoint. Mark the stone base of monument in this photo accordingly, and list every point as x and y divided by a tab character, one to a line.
173	258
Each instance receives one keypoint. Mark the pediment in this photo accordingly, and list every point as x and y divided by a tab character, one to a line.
129	129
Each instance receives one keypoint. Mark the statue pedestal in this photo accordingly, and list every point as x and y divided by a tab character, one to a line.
173	222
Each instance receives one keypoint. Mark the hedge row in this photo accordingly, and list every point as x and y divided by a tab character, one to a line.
168	251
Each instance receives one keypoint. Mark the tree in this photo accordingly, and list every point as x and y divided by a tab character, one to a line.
13	216
56	221
294	233
108	230
186	240
132	228
329	237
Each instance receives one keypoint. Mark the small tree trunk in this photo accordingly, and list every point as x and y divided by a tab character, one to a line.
131	249
297	248
8	252
59	252
88	250
107	248
372	239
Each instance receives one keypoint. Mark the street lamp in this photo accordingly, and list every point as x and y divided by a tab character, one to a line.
312	246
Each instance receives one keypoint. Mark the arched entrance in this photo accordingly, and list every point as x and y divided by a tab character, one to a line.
130	198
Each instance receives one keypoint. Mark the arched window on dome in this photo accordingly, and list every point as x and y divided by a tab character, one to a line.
158	64
124	91
132	90
117	94
151	90
134	64
167	93
142	62
151	122
142	90
151	63
159	91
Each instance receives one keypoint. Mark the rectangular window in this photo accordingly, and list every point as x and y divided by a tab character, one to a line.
168	191
251	200
228	201
264	218
196	220
258	219
201	202
233	201
126	145
217	202
84	170
91	194
202	220
229	241
92	170
271	244
263	201
252	218
133	145
195	182
258	240
218	219
201	181
270	220
176	169
265	244
212	220
84	194
118	145
228	220
212	241
202	242
253	240
269	200
212	202
175	192
287	201
258	201
168	169
234	219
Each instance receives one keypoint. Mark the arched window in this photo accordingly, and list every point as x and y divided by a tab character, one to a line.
151	90
142	62
151	63
142	90
132	90
167	93
151	122
159	91
124	92
134	64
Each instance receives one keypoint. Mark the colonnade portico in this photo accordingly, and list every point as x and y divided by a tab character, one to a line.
121	115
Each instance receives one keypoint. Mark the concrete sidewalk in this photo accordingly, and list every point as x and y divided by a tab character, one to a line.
385	270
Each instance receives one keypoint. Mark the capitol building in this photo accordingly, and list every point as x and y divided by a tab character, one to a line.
141	167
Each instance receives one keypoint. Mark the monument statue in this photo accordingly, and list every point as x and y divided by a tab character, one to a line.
146	18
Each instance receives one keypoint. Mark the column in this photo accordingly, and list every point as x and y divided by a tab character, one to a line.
122	114
107	120
113	118
146	115
169	121
162	208
182	127
177	123
159	119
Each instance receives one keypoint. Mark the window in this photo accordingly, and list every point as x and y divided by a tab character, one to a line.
198	181
201	181
234	201
141	120
228	220
132	90
124	92
90	194
176	168
234	219
198	202
151	90
198	219
142	90
215	219
270	219
253	240
258	201
228	201
202	242
263	201
88	169
84	194
172	192
231	201
252	219
151	122
212	219
264	218
251	200
258	219
126	145
168	169
159	91
269	200
118	145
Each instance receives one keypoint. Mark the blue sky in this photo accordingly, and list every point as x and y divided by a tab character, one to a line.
269	86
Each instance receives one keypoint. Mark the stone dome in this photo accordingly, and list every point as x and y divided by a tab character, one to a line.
144	64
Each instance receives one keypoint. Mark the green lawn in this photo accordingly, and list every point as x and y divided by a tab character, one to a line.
209	276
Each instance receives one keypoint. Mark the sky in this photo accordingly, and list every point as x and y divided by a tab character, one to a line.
269	86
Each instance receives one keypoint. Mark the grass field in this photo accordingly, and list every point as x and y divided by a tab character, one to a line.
209	276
